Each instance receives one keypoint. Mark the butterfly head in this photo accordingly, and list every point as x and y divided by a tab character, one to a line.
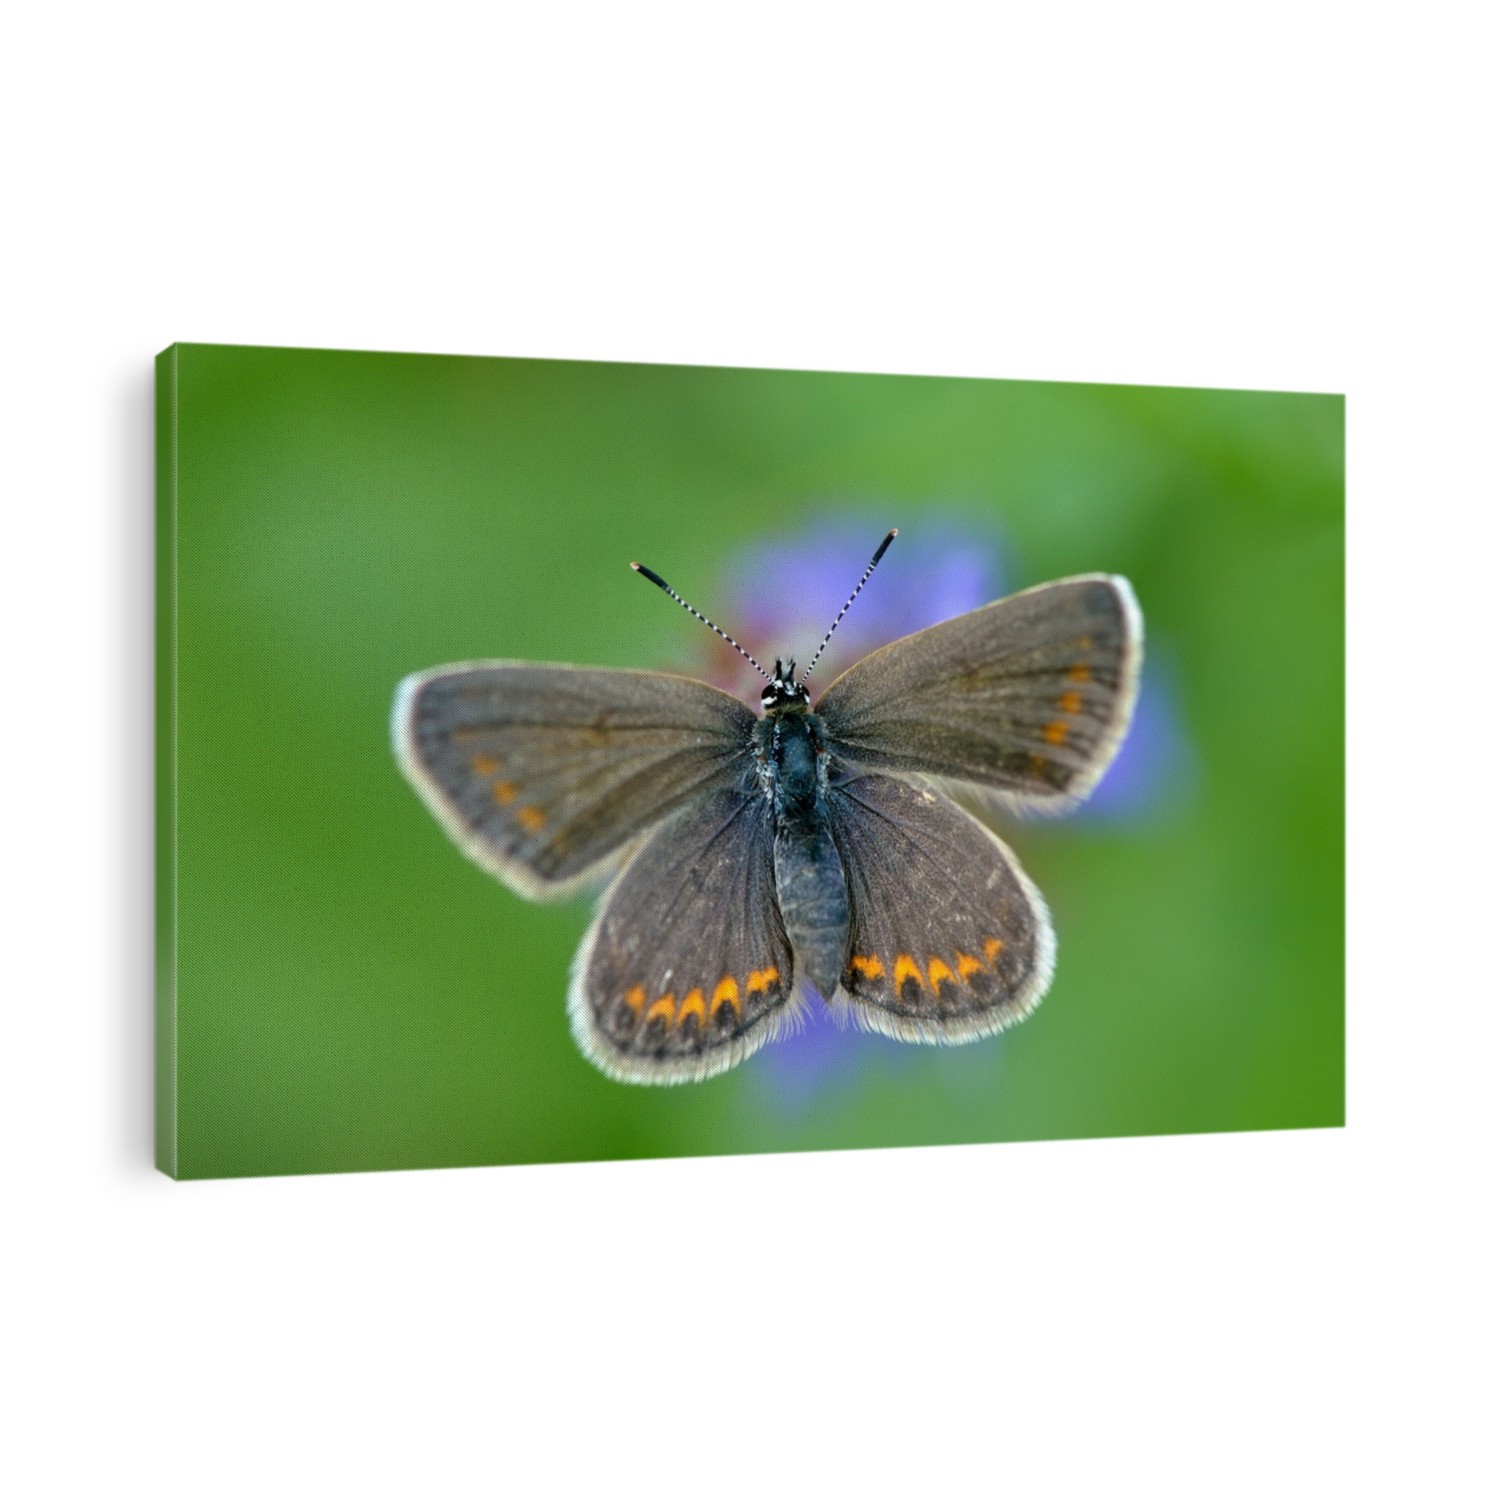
783	690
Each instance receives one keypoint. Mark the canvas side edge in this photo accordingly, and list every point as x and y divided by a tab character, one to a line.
167	363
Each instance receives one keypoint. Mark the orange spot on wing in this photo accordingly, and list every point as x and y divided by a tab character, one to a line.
1080	673
937	970
1085	643
635	998
870	968
992	947
666	1007
967	966
504	792
1038	762
727	993
1055	733
485	765
906	968
762	979
1070	703
692	1006
530	818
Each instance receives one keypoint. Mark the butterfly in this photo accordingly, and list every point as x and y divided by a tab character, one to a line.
813	847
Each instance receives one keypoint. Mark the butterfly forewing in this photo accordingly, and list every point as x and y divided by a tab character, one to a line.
949	940
544	773
1029	696
687	968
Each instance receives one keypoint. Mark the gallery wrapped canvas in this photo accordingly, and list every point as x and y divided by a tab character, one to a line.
1072	756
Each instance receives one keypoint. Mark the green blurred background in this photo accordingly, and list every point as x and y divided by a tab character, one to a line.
352	993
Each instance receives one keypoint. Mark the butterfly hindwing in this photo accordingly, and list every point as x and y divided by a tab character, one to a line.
949	940
544	773
1028	697
687	969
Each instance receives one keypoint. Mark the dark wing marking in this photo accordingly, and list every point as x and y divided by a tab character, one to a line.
687	969
950	940
543	773
1029	696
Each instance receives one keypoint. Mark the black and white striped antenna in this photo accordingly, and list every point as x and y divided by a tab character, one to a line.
667	589
890	537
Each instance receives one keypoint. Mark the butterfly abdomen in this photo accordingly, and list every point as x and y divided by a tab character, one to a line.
811	890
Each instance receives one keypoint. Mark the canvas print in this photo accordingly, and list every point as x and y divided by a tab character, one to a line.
565	761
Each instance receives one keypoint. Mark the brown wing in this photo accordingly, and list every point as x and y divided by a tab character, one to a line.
687	968
544	773
1029	696
949	940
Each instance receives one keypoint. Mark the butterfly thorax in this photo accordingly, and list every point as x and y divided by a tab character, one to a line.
792	757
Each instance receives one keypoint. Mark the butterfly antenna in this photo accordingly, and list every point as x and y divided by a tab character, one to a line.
890	537
667	589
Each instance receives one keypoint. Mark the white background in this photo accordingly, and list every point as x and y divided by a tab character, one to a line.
1278	195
